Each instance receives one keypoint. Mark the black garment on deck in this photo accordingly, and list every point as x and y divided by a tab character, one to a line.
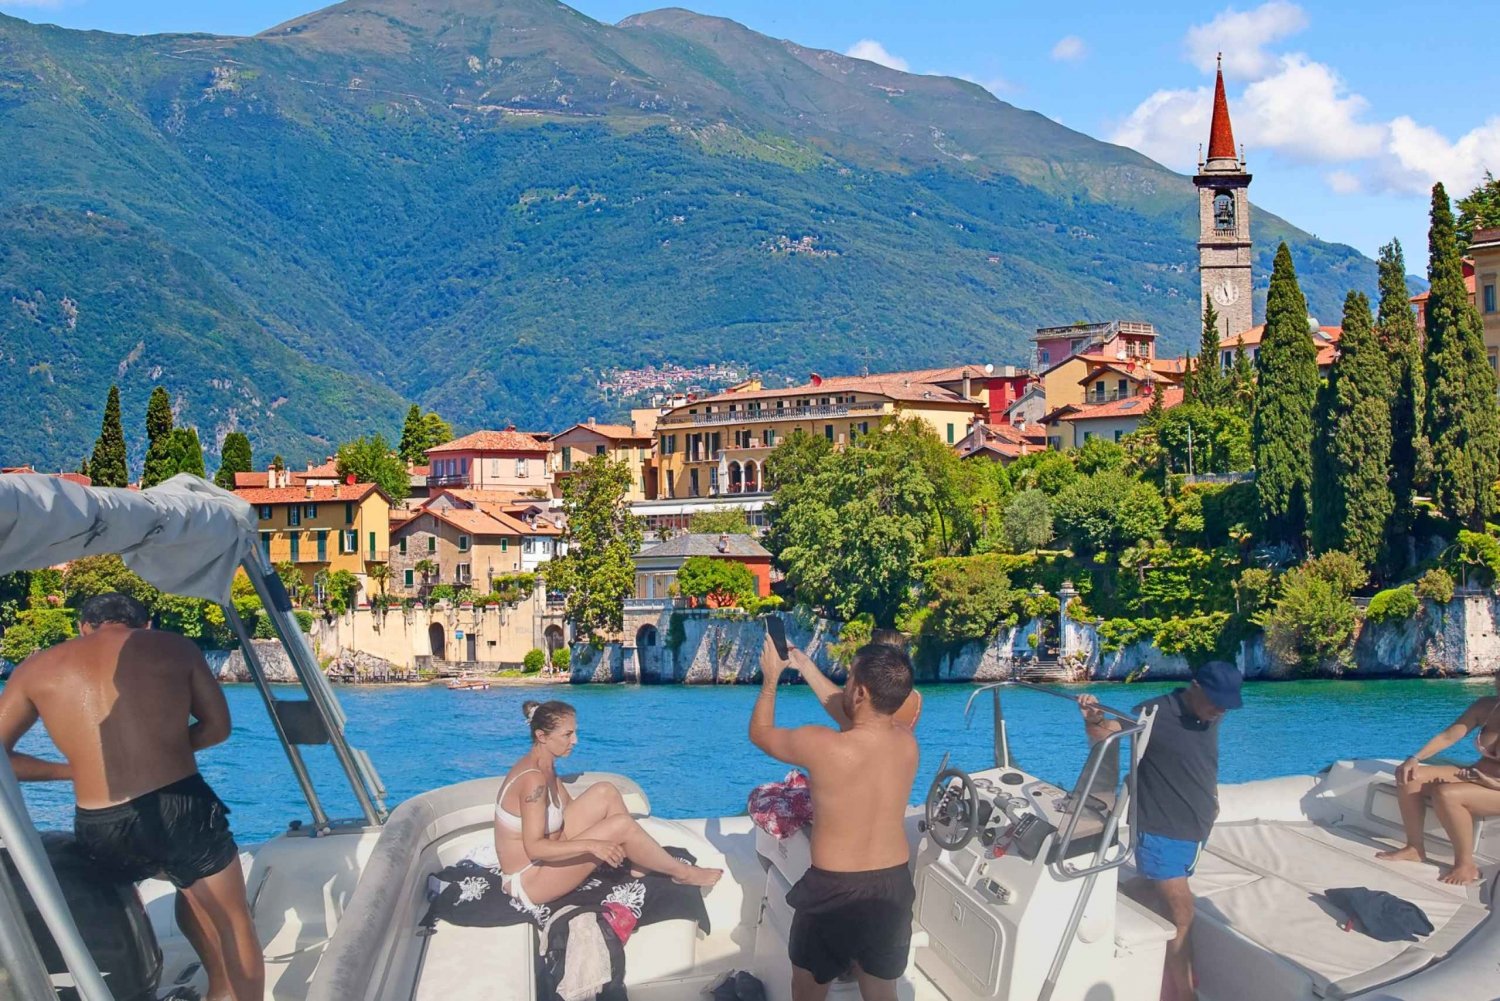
1381	915
1177	789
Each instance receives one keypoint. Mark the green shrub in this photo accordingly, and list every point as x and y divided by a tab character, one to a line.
1474	557
562	658
1393	604
718	581
36	629
1253	591
854	634
760	606
304	619
1108	511
1436	585
534	660
1312	626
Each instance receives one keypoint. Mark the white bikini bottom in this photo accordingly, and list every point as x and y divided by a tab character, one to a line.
512	884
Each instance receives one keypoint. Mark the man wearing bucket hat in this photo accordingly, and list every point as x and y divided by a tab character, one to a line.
1177	798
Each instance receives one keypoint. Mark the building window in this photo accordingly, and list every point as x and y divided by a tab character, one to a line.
432	543
309	510
401	546
1123	388
348	513
294	516
599	450
520	468
1489	298
265	512
504	545
713	479
528	545
693	474
463	543
950	434
408	577
372	545
1054	442
1087	435
350	541
462	573
1119	434
1223	212
296	538
828	431
322	539
671	483
769	437
1044	358
265	546
567	456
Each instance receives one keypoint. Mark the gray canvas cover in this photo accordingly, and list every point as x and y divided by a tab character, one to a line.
184	536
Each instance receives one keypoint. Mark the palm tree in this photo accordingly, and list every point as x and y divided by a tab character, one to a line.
380	573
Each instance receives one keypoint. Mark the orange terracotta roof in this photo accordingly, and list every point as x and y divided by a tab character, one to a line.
509	440
1468	283
244	480
307	495
1220	133
1134	406
1005	440
615	431
329	470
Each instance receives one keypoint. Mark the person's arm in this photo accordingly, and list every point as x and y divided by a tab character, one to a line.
17	715
1446	738
831	696
1477	777
795	747
532	789
209	708
1096	723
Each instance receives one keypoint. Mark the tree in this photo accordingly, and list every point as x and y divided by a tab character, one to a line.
380	574
1098	454
370	460
94	575
35	629
185	453
1463	423
1312	625
1240	387
421	432
716	582
1028	521
1206	381
1397	328
234	457
1281	434
598	573
1216	439
1479	209
1353	493
727	521
107	467
159	448
1109	511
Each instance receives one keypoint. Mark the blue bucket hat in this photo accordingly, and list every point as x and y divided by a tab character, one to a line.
1220	681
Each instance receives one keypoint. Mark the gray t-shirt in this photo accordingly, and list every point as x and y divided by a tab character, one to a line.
1177	789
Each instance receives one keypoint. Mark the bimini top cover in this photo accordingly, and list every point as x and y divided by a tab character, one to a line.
184	536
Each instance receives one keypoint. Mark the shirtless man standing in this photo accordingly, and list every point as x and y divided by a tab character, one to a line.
116	702
853	907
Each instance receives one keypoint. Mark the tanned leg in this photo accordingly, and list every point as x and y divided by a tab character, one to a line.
642	849
1412	797
594	804
1177	973
873	988
806	988
220	898
1456	805
205	942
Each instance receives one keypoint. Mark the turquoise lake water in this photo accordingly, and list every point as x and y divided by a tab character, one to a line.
688	748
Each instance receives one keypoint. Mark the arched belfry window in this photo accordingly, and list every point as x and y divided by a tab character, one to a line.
1223	212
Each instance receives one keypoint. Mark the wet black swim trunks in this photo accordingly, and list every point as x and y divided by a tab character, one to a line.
852	917
179	832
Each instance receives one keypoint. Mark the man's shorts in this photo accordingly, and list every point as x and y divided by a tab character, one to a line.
852	917
179	832
1158	857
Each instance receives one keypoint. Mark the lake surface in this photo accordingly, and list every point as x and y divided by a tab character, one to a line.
688	747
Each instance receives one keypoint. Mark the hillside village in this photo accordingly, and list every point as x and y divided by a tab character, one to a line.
474	519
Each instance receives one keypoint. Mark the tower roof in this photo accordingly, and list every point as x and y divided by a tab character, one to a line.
1220	134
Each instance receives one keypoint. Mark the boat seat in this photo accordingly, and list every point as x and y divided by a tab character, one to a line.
1261	912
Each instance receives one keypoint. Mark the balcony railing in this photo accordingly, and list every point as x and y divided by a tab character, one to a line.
776	413
1112	397
377	556
449	480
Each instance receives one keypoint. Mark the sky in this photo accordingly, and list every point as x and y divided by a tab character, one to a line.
1348	111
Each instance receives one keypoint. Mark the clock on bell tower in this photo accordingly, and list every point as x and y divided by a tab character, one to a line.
1224	224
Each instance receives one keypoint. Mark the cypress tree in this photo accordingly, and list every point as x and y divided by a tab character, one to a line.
185	452
234	457
1356	500
1281	434
1240	392
1208	381
1463	423
1403	350
107	467
158	436
411	435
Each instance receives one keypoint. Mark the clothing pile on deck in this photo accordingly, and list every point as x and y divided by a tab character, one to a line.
581	935
783	808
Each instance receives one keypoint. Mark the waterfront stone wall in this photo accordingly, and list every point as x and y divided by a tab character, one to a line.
494	636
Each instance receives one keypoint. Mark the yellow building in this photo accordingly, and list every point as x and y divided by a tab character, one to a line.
1486	253
718	445
338	527
582	442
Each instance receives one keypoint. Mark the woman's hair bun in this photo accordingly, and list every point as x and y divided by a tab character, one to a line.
529	708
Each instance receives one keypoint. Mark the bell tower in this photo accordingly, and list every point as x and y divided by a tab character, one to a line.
1224	223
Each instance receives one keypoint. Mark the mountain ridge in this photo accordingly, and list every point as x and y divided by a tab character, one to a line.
480	206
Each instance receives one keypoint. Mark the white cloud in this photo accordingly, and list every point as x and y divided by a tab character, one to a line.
1070	49
1343	182
1420	156
1168	126
1243	37
1304	111
869	49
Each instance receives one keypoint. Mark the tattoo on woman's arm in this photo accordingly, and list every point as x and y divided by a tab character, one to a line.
536	794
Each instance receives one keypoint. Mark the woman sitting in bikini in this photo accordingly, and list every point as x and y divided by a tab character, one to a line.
1459	794
548	842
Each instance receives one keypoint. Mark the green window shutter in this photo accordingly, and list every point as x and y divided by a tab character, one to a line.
296	546
950	434
402	547
504	544
408	577
432	543
372	545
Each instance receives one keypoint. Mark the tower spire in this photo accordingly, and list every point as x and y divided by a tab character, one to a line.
1220	133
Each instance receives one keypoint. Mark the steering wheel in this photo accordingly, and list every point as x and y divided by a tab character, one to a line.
952	820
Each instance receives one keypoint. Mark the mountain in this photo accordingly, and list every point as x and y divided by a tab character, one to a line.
483	205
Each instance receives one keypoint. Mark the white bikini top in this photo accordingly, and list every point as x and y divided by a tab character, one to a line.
512	822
